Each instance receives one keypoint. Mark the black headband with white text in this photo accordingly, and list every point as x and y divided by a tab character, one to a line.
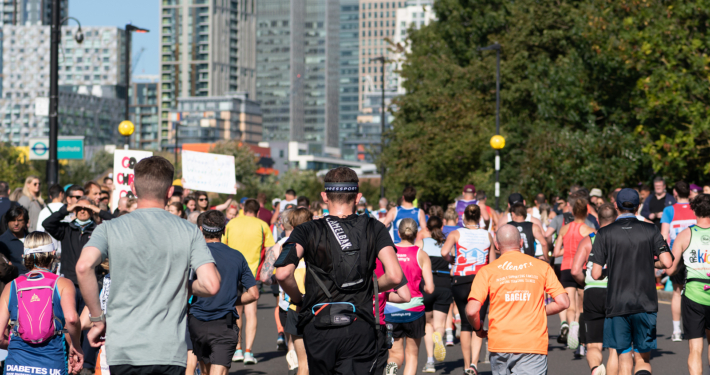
210	229
341	187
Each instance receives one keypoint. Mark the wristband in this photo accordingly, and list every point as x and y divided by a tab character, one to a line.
100	318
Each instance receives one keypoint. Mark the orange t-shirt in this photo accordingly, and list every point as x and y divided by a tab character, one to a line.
516	284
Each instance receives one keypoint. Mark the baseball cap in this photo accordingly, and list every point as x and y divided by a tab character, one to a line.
275	201
469	189
243	200
627	195
694	187
363	200
515	198
596	193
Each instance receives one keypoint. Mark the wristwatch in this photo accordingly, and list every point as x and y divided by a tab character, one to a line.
100	318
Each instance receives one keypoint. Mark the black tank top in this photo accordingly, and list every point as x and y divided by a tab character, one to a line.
526	234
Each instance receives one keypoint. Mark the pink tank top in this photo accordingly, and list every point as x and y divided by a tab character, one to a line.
379	271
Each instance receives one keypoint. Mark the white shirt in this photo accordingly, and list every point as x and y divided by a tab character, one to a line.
43	215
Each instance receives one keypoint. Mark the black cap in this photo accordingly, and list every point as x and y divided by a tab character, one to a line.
627	195
515	198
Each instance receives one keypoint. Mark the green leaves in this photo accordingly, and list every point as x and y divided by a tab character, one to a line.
603	93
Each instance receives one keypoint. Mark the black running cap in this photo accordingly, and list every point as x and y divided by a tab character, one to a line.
341	187
515	198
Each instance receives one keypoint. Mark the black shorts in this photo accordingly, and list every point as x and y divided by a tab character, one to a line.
214	341
679	277
291	326
283	318
146	370
383	353
412	330
568	281
461	289
188	340
594	313
345	350
696	318
440	300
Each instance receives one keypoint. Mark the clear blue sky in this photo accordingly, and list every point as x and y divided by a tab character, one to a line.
142	13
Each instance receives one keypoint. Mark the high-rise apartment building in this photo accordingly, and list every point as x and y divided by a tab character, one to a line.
93	70
377	31
302	89
207	49
29	12
349	66
416	14
143	111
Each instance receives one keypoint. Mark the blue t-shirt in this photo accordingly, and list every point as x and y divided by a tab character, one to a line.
448	229
234	270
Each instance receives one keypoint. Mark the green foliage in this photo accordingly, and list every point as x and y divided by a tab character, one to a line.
598	92
14	167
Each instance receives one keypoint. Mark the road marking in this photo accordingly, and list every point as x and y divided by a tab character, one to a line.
664	302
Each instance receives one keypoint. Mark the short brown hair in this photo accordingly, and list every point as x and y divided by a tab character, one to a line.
261	198
607	213
341	174
299	216
153	177
580	208
519	209
472	214
89	184
409	194
214	219
251	206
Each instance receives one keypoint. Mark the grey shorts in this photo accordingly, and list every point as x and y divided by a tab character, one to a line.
518	364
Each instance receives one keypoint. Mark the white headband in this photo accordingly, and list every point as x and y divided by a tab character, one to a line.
42	249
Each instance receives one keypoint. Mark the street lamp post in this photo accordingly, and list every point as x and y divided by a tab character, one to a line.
382	128
56	39
497	48
129	29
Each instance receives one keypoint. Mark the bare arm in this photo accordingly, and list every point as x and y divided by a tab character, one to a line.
585	246
473	314
4	314
422	219
401	295
449	245
276	215
679	245
207	282
250	296
493	252
561	303
540	237
664	261
666	231
224	205
284	275
558	252
267	269
494	221
596	271
391	214
67	293
427	276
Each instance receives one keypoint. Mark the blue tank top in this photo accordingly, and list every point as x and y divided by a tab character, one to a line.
403	213
49	358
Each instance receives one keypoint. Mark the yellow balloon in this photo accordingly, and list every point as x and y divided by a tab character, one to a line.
497	142
126	128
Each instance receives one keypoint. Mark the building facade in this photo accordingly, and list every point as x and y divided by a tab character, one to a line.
92	68
30	12
143	112
415	15
215	118
207	49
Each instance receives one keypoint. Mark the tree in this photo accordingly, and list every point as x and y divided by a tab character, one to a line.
14	166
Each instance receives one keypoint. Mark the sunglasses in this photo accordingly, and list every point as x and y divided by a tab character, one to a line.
75	196
79	209
35	184
203	199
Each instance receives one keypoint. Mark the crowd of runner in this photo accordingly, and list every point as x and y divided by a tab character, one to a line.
595	260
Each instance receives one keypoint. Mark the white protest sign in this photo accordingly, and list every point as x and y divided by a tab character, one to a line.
208	172
123	163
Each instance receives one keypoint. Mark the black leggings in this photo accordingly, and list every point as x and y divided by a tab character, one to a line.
461	292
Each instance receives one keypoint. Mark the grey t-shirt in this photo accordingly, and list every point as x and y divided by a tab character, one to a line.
151	252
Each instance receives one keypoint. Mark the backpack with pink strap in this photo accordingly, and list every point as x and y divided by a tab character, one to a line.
35	307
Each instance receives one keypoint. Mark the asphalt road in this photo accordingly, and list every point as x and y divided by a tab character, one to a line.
670	358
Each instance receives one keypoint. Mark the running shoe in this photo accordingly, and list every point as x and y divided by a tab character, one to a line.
573	336
249	358
579	353
292	360
473	370
391	369
599	370
281	342
429	367
439	348
238	356
677	337
449	338
564	329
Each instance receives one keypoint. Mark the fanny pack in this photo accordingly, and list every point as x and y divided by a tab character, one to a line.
333	314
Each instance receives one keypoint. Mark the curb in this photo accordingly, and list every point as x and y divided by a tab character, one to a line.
664	296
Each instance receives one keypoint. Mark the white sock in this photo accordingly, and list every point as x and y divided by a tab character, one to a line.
457	317
429	359
676	327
